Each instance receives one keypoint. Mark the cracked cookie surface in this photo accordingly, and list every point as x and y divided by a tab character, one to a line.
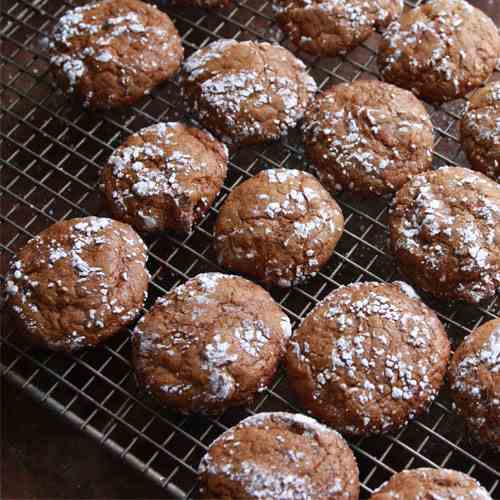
331	27
113	52
369	357
445	233
78	282
367	136
210	344
165	176
246	92
440	50
279	455
427	484
280	227
474	376
480	130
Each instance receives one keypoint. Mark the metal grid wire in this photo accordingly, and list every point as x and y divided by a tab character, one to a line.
51	153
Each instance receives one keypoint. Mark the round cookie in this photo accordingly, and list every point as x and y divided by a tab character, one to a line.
440	50
165	176
210	344
429	484
246	92
331	27
77	283
280	227
480	130
367	136
112	52
445	233
368	358
279	455
474	376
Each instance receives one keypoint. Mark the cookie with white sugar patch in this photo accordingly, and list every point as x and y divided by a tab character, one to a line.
279	227
165	176
368	137
209	344
474	377
427	484
279	455
111	53
480	130
368	358
440	50
77	283
246	92
331	27
445	233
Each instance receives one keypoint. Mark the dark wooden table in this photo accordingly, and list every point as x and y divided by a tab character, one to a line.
44	457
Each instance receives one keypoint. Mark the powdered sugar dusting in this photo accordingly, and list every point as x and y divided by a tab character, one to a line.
259	481
346	135
450	223
366	321
289	199
481	131
156	169
71	254
218	327
236	96
439	44
333	19
84	42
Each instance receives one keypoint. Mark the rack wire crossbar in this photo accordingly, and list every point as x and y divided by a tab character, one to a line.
51	154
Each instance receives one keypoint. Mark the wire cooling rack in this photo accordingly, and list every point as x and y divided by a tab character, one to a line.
51	152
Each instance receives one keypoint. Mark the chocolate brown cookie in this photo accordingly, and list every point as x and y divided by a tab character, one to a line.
480	130
368	358
112	52
165	176
331	27
280	227
77	283
279	456
445	233
431	484
209	344
440	50
246	92
475	382
367	136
